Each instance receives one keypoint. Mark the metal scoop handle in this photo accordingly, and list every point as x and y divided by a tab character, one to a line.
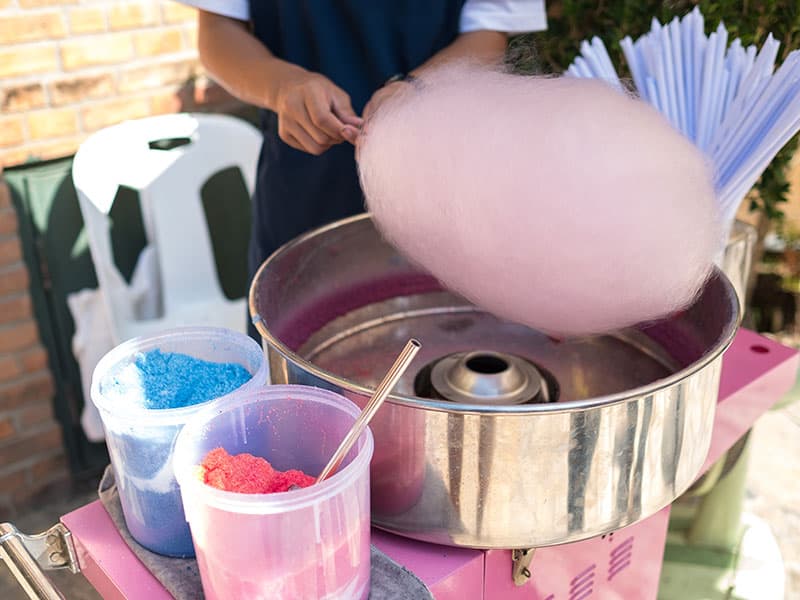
28	555
384	388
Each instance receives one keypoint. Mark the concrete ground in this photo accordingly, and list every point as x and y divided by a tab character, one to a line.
774	486
773	494
44	516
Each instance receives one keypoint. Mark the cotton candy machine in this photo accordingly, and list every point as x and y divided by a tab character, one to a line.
499	436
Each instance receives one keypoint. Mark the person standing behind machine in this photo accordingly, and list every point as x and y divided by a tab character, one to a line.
317	69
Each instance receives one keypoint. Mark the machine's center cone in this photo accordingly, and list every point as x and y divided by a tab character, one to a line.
484	377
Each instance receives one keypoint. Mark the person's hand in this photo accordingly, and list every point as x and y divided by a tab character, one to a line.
313	112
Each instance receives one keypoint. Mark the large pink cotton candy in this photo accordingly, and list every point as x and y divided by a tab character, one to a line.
559	203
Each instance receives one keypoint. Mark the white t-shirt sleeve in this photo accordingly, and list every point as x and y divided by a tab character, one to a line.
508	16
235	9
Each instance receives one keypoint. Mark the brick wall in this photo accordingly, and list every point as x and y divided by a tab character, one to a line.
68	68
31	453
71	67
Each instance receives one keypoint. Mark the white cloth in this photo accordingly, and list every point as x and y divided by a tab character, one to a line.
509	16
93	333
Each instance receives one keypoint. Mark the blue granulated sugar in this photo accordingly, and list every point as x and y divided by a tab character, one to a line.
174	380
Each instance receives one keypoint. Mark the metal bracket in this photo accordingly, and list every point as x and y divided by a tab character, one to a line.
520	571
28	555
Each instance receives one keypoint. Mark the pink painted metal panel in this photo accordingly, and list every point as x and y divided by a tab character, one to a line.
745	362
624	565
106	561
756	374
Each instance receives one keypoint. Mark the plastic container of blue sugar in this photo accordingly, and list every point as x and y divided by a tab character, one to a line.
145	390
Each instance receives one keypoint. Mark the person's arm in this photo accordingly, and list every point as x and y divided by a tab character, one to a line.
479	46
313	112
484	28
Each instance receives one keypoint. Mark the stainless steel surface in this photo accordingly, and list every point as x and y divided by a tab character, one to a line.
629	432
738	256
27	555
384	388
520	567
483	378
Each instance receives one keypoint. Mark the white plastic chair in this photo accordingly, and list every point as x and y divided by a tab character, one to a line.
169	182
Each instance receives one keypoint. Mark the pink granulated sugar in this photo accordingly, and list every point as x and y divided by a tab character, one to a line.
248	474
558	203
252	553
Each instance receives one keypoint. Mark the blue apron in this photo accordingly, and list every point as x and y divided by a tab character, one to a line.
357	44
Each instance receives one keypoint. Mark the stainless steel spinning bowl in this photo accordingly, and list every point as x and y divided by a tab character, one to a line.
498	436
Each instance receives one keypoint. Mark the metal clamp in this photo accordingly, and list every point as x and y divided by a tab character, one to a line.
520	571
28	555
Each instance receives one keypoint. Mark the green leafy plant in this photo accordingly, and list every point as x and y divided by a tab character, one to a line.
571	21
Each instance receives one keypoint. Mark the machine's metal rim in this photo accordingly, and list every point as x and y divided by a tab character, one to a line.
726	339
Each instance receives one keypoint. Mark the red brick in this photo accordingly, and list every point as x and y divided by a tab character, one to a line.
10	250
174	12
53	123
34	360
25	446
31	389
8	221
22	97
13	480
27	27
28	59
6	428
18	336
108	113
111	48
12	132
15	308
44	151
77	89
10	368
156	75
12	158
13	279
128	15
161	104
37	413
5	194
157	42
40	3
87	20
48	467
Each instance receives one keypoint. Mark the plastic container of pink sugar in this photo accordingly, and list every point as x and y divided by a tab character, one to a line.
310	543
